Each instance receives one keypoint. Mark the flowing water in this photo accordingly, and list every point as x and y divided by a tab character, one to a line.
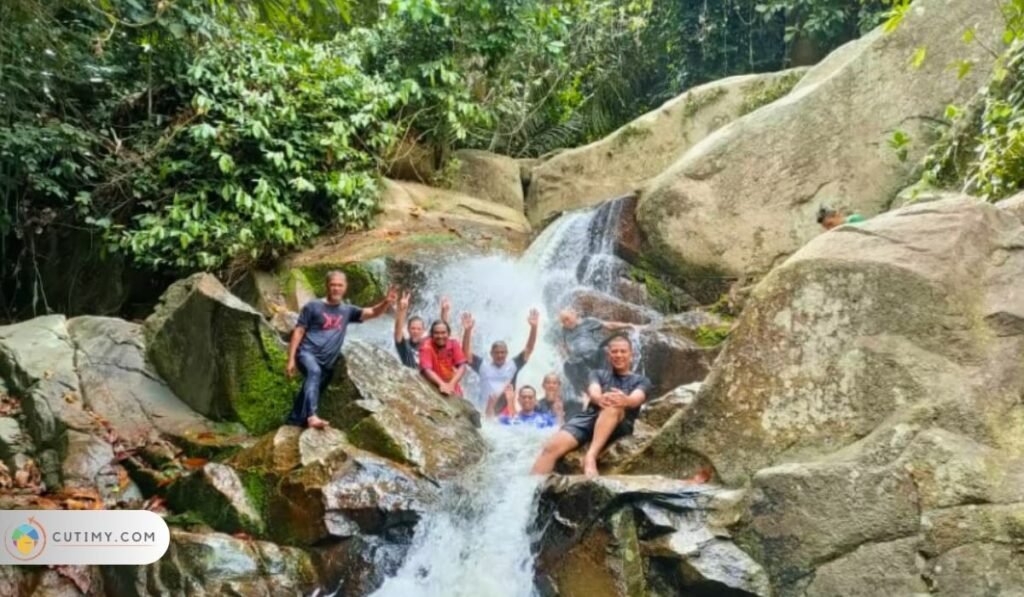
476	542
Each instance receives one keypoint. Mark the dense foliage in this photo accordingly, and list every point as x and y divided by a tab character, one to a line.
982	151
189	134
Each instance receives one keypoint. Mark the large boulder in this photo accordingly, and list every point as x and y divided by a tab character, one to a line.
869	398
119	384
639	536
489	176
675	354
391	410
623	161
864	325
37	363
419	224
219	355
202	564
745	198
313	486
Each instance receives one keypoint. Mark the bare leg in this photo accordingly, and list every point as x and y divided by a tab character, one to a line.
607	419
561	444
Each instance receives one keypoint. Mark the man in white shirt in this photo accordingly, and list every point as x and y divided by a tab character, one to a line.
499	372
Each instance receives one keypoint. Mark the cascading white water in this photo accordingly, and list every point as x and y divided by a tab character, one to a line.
476	542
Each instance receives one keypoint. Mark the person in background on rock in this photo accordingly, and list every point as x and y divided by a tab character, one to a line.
317	341
499	373
580	345
442	361
552	403
829	218
408	347
615	399
528	413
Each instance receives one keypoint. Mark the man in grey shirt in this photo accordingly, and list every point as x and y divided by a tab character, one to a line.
317	341
580	343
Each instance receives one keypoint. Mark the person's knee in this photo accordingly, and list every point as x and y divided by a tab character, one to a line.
559	447
613	412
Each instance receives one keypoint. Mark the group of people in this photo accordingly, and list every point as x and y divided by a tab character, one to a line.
599	368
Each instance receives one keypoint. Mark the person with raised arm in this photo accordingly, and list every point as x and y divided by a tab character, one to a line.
580	345
316	343
499	372
408	346
528	414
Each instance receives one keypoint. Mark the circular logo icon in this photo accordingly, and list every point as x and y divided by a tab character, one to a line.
26	541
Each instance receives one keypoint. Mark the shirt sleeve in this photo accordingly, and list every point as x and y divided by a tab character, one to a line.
645	385
457	356
520	360
475	361
306	316
403	349
355	314
426	357
595	378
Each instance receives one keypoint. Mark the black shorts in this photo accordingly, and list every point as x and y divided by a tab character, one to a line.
581	426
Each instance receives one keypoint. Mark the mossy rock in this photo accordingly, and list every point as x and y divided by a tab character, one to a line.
219	355
217	495
767	91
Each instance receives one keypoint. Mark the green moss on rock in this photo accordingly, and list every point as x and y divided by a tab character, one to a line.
368	435
697	101
630	133
765	92
712	335
257	390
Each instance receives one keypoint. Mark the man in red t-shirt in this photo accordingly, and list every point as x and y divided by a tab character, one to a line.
442	361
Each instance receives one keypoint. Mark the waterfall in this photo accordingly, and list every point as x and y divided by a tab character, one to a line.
476	541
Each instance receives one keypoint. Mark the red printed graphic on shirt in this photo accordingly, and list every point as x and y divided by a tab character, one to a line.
332	322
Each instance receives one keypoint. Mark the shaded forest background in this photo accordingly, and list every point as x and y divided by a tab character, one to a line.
170	136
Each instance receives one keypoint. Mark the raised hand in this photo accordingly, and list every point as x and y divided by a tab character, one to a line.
446	306
467	321
392	295
403	303
534	318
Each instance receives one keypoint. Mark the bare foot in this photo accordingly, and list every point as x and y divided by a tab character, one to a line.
316	422
702	476
590	466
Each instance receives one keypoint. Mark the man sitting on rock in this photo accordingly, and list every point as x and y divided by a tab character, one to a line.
829	218
615	400
498	373
317	341
580	344
528	413
408	347
442	361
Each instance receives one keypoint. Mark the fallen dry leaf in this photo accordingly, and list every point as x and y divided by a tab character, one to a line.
85	498
194	463
79	575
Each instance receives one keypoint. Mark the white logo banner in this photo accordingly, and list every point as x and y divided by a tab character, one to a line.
93	537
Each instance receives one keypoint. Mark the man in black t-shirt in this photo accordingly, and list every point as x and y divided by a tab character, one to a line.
408	346
615	399
317	341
